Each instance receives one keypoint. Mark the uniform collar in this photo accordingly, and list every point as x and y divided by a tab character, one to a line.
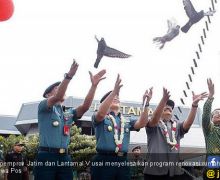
113	114
64	108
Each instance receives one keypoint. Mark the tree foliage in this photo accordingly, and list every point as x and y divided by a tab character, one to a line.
81	146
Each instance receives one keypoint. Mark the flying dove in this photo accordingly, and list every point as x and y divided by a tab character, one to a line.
173	31
104	50
193	15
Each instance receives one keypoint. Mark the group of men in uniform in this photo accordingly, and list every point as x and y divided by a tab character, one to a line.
112	131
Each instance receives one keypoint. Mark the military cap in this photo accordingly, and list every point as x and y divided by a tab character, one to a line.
19	143
105	96
50	88
136	147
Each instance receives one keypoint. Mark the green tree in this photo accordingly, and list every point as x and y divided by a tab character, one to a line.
31	146
81	147
9	142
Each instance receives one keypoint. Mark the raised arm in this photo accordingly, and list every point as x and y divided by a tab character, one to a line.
104	107
189	121
206	116
90	96
63	86
143	119
158	112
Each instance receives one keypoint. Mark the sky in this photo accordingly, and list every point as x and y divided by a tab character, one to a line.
38	44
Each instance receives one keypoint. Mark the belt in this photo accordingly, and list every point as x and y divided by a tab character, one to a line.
53	150
112	153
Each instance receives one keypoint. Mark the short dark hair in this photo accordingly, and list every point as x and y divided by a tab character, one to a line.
170	103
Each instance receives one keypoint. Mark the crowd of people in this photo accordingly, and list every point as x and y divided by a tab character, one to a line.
112	132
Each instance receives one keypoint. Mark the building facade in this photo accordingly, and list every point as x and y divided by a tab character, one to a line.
7	125
27	122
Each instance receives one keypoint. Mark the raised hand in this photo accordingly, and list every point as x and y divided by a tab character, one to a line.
118	86
73	68
97	77
199	97
211	88
166	95
147	95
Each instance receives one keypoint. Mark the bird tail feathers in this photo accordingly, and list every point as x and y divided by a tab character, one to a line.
186	27
96	63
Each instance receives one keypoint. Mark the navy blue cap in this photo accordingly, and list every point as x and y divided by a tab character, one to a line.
19	143
137	147
50	88
105	96
170	103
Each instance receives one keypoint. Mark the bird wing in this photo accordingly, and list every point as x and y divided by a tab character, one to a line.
169	23
173	34
96	39
171	26
190	11
110	52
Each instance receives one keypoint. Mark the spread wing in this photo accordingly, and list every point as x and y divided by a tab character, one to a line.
96	39
171	26
110	52
190	11
169	23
